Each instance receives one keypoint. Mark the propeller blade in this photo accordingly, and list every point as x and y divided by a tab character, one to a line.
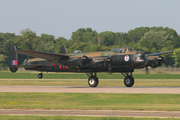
109	60
110	69
147	70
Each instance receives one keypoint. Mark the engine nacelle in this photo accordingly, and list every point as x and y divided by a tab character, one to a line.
156	62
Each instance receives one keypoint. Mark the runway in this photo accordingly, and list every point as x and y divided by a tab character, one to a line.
87	89
102	113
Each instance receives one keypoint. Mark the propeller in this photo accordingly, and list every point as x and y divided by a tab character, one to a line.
154	64
147	70
109	60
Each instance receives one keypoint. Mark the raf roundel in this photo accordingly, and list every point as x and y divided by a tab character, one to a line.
126	58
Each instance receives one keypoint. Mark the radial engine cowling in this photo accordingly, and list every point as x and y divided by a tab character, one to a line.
156	62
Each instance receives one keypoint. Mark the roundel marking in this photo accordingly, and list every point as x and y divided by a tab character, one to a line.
126	58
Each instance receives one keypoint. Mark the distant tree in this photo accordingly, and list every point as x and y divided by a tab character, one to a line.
27	39
3	38
176	56
136	34
47	38
38	44
77	35
85	35
3	60
92	48
7	36
170	31
107	38
176	42
155	39
2	52
47	42
160	37
2	47
169	60
121	39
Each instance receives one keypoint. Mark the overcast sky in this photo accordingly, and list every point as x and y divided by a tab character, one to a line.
62	17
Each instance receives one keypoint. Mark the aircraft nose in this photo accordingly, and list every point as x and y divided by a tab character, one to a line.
141	61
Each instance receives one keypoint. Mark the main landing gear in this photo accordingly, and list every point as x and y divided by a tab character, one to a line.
128	80
40	75
93	80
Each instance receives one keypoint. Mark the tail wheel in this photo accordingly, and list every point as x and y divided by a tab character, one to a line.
40	75
128	81
93	81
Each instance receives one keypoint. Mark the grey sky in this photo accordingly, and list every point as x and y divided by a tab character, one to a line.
62	17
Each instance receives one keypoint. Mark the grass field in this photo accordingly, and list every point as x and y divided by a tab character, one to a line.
83	82
34	75
3	117
83	101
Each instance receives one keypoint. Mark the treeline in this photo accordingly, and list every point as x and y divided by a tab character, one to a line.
147	39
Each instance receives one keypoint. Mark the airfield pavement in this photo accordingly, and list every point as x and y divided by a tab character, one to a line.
86	89
102	113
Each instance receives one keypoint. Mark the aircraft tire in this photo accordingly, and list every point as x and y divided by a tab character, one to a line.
128	81
40	75
93	81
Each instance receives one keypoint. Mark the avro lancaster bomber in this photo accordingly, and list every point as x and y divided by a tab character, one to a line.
121	60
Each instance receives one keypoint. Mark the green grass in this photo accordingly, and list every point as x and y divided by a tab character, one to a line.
83	101
7	117
83	82
34	75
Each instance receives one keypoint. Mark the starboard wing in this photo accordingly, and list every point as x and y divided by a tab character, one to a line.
45	55
157	54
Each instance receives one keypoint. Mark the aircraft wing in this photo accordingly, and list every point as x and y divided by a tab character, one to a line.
157	54
45	55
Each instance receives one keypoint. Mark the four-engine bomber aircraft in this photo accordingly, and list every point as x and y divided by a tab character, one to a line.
122	60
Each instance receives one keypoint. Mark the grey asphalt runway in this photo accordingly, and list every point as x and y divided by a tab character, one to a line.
119	113
87	89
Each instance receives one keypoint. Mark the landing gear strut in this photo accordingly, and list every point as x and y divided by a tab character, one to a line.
93	80
128	80
40	75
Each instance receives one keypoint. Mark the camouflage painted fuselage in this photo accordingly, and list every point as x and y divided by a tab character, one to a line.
91	62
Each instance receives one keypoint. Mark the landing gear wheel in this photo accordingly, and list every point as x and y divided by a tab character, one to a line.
93	81
40	75
128	81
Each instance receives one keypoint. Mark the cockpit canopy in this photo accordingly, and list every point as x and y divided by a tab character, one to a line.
77	52
123	50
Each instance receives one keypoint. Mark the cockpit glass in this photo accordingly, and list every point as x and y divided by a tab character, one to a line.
123	50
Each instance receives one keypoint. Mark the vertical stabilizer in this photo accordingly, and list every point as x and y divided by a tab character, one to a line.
13	59
63	50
